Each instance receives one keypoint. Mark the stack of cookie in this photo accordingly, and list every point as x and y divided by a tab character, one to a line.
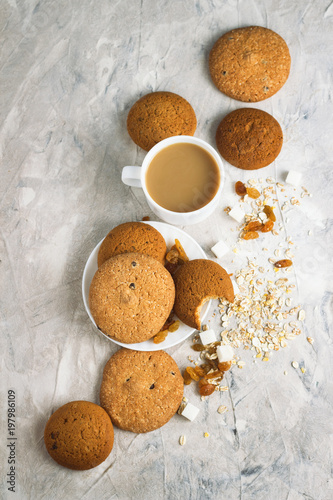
131	294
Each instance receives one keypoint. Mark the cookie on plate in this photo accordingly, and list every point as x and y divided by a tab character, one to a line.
196	282
141	390
132	237
249	138
249	64
131	296
159	115
79	435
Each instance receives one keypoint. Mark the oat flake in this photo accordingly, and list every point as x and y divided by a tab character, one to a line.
301	315
182	440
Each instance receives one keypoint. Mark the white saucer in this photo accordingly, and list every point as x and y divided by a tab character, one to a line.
193	251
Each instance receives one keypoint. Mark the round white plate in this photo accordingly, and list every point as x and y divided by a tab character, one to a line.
193	251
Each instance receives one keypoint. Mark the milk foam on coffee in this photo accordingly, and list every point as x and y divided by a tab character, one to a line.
183	177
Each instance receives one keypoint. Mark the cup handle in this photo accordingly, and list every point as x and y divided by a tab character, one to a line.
131	176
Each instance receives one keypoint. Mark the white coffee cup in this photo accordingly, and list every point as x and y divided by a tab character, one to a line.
135	177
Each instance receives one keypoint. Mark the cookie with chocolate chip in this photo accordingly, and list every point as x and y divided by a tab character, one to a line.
131	296
79	435
250	64
141	390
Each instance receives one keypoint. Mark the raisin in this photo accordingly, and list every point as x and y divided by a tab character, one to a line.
268	226
200	371
269	212
172	256
254	225
250	235
181	251
198	347
187	378
203	381
160	336
192	373
253	193
176	256
240	188
132	286
224	366
174	326
207	390
168	322
283	263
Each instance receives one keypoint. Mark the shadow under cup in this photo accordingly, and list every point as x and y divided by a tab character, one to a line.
182	178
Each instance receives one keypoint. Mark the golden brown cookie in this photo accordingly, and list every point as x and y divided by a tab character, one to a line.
196	282
159	115
141	390
249	138
130	297
132	237
79	435
249	64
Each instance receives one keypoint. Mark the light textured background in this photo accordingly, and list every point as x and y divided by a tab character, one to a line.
70	71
